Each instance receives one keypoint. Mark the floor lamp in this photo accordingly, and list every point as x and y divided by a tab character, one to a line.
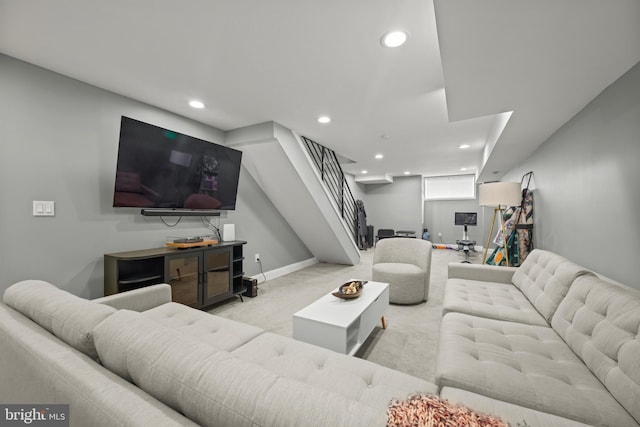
499	195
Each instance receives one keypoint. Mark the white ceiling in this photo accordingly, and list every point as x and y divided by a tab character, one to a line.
289	61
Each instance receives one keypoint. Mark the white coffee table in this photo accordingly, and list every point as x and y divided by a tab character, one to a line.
342	325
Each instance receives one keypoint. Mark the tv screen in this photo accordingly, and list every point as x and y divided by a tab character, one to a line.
466	218
160	168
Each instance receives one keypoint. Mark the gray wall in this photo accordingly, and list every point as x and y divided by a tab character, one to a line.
59	142
439	217
397	205
586	180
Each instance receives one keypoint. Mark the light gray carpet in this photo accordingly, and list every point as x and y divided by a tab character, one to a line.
409	342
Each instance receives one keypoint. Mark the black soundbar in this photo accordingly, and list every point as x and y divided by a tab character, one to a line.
179	212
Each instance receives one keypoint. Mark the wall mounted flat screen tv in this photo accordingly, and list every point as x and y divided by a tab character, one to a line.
162	169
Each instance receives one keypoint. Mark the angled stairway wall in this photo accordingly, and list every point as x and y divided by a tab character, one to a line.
277	159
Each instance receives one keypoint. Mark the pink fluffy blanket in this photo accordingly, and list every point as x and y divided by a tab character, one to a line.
424	410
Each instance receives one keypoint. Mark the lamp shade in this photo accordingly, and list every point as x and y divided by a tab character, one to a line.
500	194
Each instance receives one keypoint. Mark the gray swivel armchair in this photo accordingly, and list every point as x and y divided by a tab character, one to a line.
406	265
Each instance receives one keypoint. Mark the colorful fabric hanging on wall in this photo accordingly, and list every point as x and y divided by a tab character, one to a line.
518	225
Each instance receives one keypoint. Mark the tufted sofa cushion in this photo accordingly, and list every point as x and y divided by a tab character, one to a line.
544	278
488	299
349	377
65	315
216	331
523	364
371	384
516	415
600	321
213	387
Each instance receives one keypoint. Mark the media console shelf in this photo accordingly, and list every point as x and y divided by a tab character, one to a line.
199	277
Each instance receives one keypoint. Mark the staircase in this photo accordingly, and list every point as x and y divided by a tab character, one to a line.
332	175
311	196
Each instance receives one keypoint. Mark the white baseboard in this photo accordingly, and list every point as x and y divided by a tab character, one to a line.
272	274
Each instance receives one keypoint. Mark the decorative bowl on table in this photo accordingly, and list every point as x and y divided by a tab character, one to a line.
350	290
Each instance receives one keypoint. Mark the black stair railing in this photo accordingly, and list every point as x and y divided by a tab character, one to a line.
332	175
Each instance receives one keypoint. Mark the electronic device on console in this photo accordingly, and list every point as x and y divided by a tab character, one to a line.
189	240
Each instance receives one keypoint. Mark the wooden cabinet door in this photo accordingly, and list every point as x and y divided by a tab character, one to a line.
182	272
217	275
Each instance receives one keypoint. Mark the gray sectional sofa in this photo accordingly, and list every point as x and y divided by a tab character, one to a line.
137	359
549	336
548	344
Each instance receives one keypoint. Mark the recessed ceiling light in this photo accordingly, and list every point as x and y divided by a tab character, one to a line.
464	146
196	104
407	172
394	39
363	172
324	119
379	156
463	169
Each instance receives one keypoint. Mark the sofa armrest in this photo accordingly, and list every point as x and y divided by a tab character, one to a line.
481	272
141	299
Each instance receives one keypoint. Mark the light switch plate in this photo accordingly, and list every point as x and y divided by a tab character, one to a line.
43	208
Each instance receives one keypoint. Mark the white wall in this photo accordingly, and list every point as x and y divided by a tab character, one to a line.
586	180
400	206
439	217
59	142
